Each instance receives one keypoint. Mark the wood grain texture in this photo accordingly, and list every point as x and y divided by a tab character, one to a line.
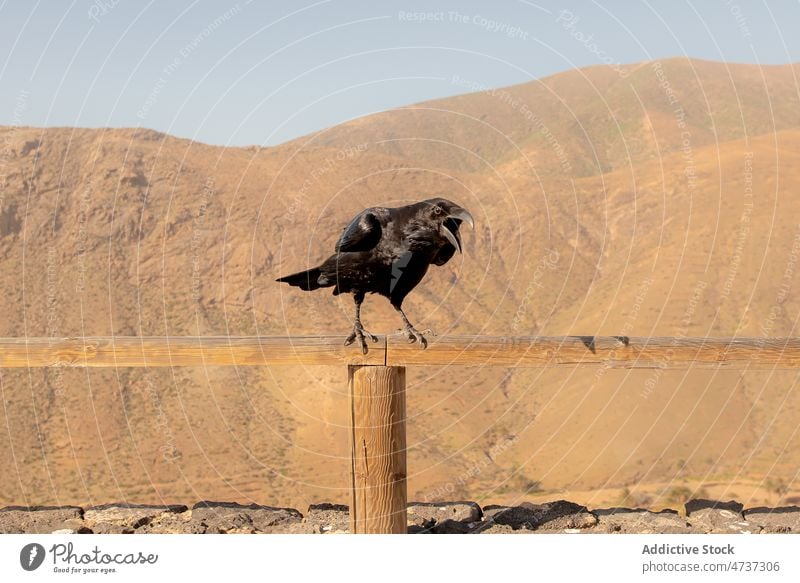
517	351
609	351
122	351
378	449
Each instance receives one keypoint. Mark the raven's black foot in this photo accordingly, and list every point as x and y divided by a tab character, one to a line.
362	335
415	335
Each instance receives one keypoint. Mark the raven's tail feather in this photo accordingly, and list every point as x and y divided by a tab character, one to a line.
308	280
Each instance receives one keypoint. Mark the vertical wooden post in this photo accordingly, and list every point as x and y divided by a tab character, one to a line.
378	496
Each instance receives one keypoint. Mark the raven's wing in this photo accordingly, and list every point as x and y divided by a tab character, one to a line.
363	232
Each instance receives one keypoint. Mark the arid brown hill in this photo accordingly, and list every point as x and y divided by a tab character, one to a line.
659	200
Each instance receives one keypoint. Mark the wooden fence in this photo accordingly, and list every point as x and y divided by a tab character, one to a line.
377	381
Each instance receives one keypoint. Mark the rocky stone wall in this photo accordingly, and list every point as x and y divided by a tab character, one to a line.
698	516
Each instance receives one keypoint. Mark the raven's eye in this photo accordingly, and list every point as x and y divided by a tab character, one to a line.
437	210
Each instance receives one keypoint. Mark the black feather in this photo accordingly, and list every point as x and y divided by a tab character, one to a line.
306	280
386	251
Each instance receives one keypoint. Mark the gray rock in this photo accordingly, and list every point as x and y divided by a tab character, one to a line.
775	520
297	528
125	518
322	518
516	517
229	517
453	527
427	513
328	518
697	504
172	523
40	519
110	528
550	516
702	516
712	516
638	521
494	528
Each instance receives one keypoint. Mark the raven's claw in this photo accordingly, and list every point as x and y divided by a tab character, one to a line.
415	335
360	333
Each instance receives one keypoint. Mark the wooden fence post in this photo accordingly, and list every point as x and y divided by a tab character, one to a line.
378	496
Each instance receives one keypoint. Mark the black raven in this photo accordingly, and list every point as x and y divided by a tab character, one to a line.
387	251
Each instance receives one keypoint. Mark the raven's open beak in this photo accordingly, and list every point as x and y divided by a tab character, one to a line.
462	215
451	223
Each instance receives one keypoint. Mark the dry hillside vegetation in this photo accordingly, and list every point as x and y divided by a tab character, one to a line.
659	202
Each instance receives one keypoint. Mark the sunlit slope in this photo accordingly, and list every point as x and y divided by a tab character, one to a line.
658	202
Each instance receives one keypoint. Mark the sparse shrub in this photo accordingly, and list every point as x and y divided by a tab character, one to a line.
679	495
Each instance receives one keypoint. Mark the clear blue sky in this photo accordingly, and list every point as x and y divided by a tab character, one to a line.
263	72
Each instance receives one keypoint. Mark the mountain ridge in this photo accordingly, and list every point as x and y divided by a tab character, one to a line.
583	226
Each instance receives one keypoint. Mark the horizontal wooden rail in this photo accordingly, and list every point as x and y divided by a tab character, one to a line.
609	351
121	351
518	351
